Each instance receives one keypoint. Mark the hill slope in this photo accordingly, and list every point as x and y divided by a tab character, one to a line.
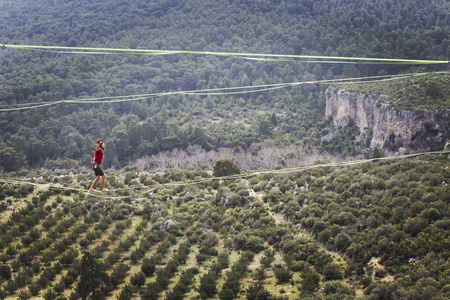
413	113
348	28
378	228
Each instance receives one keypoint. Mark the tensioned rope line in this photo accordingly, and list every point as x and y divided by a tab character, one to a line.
217	91
237	176
251	56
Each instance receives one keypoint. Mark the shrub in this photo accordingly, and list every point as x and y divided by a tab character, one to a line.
138	279
283	275
332	271
148	266
5	272
337	287
225	167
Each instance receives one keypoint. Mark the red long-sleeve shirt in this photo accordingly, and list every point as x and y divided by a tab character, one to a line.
98	156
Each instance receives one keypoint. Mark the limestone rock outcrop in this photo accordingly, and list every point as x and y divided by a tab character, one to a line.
387	125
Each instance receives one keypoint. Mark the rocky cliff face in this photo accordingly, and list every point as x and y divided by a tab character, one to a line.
423	129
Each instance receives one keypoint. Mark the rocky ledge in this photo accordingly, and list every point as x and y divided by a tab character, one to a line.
387	126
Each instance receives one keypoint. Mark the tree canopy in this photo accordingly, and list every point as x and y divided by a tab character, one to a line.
391	29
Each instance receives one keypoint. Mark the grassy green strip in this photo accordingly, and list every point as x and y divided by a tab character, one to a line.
256	56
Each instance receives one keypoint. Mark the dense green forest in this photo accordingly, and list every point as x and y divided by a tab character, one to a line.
218	196
62	136
416	93
377	230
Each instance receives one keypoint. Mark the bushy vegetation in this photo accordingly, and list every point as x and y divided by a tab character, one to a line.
379	229
62	135
416	93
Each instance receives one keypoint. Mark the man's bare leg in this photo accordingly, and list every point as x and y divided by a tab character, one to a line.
103	184
94	183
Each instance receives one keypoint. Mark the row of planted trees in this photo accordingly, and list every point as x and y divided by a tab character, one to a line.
389	210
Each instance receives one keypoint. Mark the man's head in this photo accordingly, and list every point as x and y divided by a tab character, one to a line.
100	144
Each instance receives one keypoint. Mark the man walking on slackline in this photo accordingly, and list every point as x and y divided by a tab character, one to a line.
96	164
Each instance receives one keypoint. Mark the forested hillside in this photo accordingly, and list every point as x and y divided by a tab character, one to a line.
62	135
376	230
253	195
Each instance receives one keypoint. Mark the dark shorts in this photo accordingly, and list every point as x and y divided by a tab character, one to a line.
98	171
